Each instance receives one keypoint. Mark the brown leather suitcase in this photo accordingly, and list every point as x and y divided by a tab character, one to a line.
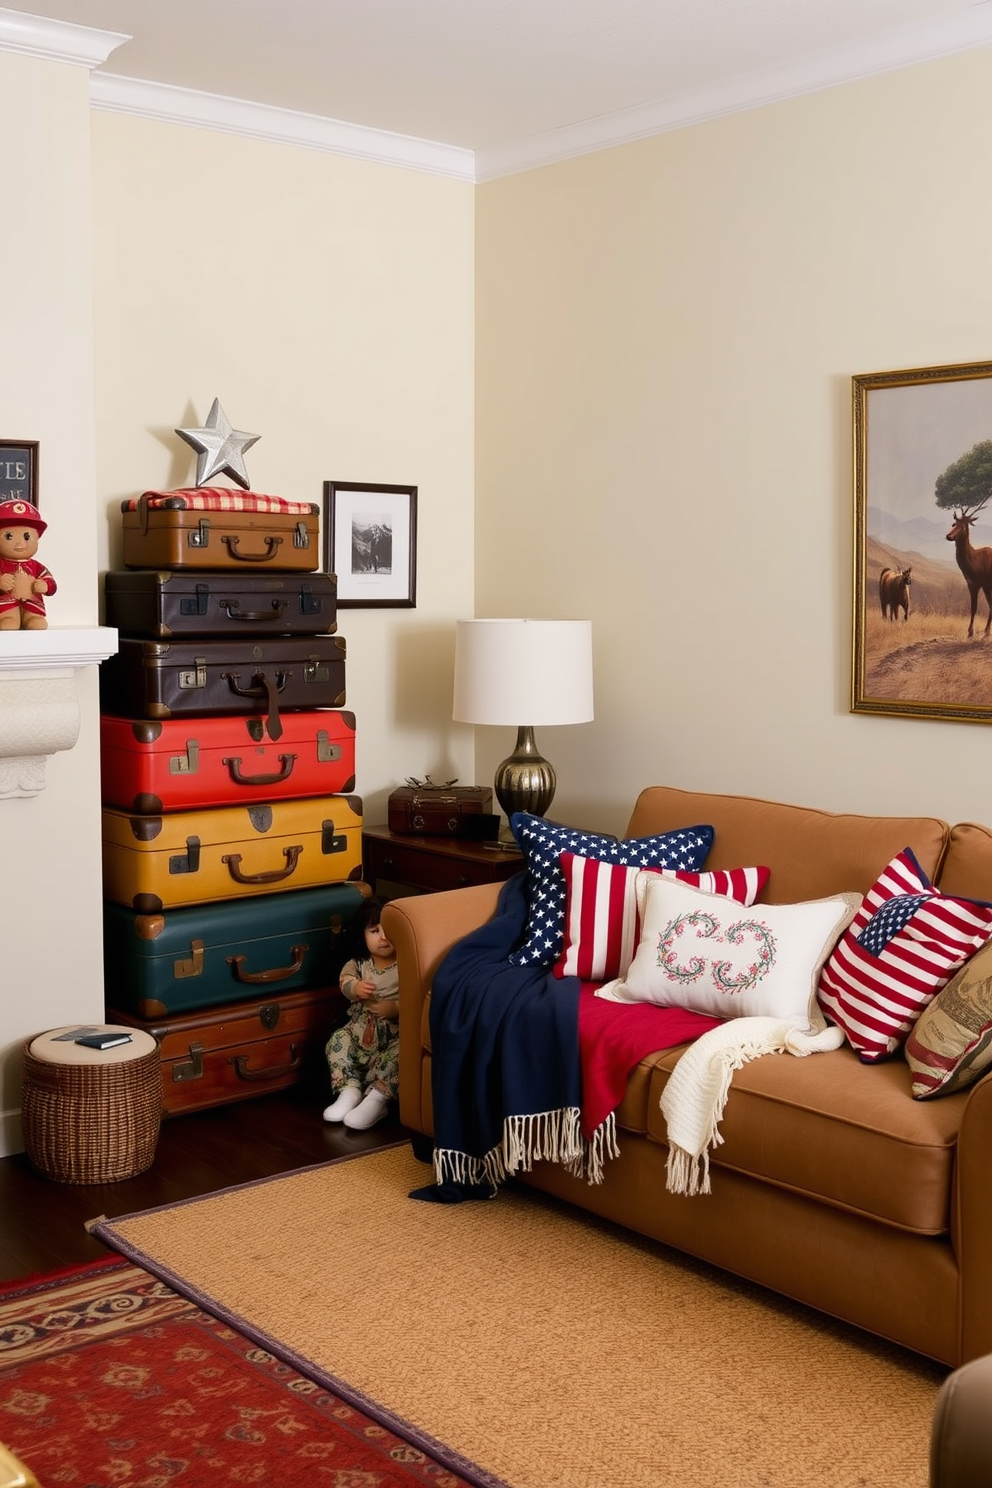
244	1049
167	603
176	679
212	527
428	810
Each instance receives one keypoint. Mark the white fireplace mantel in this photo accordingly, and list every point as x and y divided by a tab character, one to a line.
39	710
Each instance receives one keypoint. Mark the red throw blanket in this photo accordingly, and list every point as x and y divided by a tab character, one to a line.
614	1038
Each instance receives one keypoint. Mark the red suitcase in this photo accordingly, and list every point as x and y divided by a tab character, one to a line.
150	766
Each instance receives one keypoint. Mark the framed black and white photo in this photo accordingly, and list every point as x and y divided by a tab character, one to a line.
19	470
370	543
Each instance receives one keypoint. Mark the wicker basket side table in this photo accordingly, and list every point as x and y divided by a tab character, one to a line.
91	1115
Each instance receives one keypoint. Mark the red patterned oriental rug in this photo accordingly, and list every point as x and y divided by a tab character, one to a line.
108	1379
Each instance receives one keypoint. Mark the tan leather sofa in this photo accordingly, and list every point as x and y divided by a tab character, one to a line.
833	1185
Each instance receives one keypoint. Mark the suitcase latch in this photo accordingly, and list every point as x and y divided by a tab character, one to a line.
195	676
189	861
268	1015
326	751
195	603
301	537
191	1068
188	763
316	671
330	841
309	603
199	536
193	965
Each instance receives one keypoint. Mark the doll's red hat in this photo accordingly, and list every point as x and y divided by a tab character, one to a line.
23	513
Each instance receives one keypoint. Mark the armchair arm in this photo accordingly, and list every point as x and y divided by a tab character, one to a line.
961	1438
423	928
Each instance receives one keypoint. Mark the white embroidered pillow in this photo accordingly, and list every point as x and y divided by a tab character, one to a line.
705	953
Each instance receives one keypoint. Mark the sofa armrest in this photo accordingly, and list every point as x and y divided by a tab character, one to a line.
423	928
961	1438
972	1230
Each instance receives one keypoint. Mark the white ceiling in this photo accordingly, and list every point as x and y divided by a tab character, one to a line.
484	75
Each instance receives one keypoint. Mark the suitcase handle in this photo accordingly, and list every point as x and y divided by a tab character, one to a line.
233	680
235	612
233	540
233	764
274	1072
274	974
233	861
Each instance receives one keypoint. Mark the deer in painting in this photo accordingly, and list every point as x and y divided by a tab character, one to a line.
974	563
893	592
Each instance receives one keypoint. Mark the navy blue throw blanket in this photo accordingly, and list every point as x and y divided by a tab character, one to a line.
506	1072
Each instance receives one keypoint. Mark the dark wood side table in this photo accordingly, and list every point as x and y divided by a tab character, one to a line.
426	865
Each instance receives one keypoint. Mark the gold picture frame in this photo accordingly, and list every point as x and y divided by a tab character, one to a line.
922	634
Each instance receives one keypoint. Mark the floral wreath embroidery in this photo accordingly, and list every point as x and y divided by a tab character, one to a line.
707	928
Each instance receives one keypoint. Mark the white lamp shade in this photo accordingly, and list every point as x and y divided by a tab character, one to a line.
523	672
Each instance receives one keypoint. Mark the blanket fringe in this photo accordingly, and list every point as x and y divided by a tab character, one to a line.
549	1136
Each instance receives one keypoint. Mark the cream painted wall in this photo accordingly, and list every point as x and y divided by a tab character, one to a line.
666	337
49	890
328	304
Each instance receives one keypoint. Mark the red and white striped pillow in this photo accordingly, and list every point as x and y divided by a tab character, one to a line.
876	999
603	915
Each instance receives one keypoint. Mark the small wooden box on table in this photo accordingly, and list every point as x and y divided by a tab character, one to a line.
428	865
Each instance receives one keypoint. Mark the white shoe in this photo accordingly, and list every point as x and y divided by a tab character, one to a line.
348	1099
372	1109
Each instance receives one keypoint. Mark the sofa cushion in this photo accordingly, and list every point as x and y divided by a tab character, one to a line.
904	944
603	910
950	1045
542	843
703	952
828	1127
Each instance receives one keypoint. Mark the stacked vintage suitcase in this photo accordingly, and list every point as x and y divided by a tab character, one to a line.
231	845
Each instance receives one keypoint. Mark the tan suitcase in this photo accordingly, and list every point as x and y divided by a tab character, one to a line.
211	527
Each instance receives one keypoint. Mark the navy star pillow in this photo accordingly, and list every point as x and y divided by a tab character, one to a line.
542	842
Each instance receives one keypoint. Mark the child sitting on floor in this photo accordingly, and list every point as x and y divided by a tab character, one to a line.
363	1055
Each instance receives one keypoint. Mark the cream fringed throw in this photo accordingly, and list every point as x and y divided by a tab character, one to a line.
697	1089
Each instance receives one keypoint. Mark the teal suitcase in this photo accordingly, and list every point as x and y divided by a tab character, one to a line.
183	960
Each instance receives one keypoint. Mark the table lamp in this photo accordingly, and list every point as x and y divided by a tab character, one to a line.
523	673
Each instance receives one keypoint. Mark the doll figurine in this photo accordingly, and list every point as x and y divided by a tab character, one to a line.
24	581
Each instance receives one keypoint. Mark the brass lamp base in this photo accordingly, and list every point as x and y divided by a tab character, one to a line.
525	781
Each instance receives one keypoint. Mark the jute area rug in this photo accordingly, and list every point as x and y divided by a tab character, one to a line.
524	1344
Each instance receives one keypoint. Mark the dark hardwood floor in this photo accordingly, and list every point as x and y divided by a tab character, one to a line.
43	1224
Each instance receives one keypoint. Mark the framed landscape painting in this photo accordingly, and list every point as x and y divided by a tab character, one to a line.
923	543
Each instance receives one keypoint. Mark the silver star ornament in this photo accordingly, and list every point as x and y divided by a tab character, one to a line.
220	449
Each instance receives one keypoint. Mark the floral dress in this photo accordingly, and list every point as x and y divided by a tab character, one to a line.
365	1052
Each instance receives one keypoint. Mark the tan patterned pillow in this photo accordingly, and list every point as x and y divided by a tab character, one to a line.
950	1046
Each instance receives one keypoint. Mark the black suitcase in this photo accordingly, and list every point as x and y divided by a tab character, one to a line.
161	679
163	604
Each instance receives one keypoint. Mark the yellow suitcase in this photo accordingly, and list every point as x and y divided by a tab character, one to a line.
151	863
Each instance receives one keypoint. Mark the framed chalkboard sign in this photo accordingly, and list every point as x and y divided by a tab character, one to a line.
19	470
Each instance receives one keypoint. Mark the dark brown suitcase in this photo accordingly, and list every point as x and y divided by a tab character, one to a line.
242	1050
178	679
211	527
167	603
428	810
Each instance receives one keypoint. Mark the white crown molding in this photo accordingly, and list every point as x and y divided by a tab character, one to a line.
56	41
888	52
284	126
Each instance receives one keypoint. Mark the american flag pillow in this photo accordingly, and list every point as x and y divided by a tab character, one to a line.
542	842
603	911
904	944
